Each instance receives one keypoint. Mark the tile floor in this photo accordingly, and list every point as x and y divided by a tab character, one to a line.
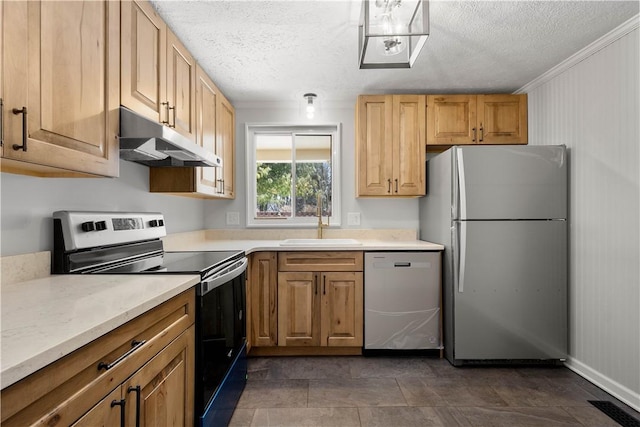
413	391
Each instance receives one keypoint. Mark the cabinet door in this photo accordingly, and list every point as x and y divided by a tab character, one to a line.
451	120
206	104
502	119
374	145
166	386
143	56
409	148
263	278
342	309
104	414
298	309
181	76
61	63
225	146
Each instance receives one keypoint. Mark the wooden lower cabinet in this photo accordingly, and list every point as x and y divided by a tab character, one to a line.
76	390
262	292
306	302
320	309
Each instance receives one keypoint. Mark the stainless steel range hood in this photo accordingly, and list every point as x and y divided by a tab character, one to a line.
153	144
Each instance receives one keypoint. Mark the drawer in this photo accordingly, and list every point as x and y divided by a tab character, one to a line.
320	261
37	395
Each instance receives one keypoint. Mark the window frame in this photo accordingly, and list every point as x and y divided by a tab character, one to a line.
333	129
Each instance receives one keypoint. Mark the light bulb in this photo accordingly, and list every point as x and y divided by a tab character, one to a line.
391	45
311	109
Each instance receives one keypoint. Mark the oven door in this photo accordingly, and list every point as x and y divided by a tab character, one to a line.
220	344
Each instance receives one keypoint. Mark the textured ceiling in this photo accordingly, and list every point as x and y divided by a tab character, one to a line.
275	51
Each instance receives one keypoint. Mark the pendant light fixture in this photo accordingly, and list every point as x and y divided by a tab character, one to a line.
392	32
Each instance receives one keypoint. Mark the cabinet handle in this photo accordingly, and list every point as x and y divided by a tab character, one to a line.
120	403
315	284
389	182
324	285
481	133
396	184
174	116
166	107
134	346
136	389
474	135
22	111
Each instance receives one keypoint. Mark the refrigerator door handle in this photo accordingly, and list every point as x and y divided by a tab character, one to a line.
458	237
462	254
461	201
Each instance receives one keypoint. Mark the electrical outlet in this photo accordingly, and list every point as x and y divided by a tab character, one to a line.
353	218
233	218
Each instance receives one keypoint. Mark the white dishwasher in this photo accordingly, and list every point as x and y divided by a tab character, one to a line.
402	300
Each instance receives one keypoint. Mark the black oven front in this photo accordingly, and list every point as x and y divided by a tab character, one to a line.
221	365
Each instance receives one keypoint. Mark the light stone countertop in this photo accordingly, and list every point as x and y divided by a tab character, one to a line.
45	319
250	246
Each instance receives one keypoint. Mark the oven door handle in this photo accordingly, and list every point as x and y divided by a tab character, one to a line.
224	276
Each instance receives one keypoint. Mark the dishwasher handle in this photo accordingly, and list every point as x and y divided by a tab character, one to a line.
402	264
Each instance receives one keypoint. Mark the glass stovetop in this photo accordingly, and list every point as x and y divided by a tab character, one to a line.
195	262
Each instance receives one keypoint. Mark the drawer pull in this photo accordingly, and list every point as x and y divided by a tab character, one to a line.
120	403
136	389
134	346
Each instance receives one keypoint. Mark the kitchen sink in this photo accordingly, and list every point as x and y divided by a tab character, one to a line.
320	242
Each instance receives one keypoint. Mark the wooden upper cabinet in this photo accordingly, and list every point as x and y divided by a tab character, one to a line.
409	147
451	119
225	147
502	119
215	131
374	153
144	57
61	71
476	119
181	77
390	145
158	73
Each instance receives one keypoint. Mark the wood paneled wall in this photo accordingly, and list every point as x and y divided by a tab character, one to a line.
593	107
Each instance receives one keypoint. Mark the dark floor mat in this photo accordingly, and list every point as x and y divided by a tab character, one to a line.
616	413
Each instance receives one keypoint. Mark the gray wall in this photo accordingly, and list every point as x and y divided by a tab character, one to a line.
28	202
593	108
374	213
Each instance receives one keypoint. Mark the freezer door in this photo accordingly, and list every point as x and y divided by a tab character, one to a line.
510	290
514	182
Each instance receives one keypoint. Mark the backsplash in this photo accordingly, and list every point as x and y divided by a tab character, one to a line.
19	268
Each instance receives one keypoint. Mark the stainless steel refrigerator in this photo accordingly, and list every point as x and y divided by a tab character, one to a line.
501	213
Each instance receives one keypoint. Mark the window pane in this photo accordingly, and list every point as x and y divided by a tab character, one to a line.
312	174
273	176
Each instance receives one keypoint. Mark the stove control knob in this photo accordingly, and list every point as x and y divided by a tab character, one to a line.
88	226
101	225
156	223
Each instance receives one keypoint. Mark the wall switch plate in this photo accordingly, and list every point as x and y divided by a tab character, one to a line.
353	218
233	218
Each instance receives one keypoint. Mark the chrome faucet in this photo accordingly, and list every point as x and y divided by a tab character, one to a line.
321	225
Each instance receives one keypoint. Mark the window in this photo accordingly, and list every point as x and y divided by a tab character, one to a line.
290	169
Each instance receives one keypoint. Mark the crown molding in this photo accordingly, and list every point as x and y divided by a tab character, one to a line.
604	41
